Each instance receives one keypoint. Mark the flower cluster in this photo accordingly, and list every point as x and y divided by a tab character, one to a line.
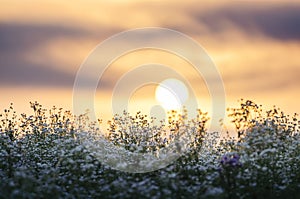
43	155
230	160
139	133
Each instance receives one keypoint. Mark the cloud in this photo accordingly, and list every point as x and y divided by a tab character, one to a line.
15	37
17	41
20	37
280	22
263	81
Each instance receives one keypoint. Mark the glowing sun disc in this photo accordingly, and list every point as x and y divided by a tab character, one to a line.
171	94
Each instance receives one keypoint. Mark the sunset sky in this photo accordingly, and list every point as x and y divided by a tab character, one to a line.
255	46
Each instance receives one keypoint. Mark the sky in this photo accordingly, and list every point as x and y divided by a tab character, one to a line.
255	46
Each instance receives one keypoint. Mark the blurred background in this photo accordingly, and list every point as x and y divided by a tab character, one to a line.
255	46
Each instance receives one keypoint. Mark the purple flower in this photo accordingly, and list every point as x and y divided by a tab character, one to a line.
224	159
236	156
230	160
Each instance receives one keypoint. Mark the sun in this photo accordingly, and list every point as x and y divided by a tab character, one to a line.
171	94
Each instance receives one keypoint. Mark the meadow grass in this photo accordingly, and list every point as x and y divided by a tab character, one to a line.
42	155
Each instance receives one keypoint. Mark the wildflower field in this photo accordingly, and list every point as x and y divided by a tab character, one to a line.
43	155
